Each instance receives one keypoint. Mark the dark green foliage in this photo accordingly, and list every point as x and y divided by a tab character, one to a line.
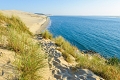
113	61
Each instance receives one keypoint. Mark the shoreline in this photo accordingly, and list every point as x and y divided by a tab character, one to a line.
34	22
43	26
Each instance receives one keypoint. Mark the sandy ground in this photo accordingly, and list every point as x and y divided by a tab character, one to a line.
35	23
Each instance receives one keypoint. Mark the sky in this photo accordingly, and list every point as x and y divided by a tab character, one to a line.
64	7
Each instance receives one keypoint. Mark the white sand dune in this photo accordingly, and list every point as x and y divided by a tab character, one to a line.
35	23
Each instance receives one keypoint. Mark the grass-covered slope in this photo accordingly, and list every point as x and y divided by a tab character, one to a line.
109	69
14	35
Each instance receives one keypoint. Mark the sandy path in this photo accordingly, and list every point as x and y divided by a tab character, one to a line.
62	70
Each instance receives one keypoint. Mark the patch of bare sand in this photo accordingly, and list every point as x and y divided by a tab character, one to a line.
8	70
36	23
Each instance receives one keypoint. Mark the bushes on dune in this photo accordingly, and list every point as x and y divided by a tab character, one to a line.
113	61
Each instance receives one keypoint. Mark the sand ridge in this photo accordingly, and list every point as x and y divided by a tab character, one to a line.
33	21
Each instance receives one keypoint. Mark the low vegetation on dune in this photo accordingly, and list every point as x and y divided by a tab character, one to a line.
109	68
66	48
68	51
15	36
47	35
99	66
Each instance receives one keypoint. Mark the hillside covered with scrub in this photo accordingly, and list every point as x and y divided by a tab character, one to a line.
28	56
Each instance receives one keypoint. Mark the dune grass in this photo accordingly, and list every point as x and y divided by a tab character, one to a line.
47	35
113	61
2	36
109	69
18	38
68	50
99	67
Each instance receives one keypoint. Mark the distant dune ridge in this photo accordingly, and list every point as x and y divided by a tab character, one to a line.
36	23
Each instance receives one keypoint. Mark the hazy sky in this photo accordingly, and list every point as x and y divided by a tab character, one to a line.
64	7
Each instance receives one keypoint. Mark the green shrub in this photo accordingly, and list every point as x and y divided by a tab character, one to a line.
113	61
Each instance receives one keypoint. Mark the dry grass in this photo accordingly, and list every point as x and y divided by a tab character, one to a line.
95	63
19	39
47	35
99	67
2	36
68	50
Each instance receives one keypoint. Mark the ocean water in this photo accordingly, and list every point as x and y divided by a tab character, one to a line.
97	33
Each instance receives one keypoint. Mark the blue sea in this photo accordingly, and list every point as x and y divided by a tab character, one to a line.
98	33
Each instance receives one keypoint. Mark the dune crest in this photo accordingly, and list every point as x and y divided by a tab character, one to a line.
36	23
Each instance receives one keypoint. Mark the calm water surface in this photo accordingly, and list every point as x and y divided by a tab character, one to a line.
101	34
